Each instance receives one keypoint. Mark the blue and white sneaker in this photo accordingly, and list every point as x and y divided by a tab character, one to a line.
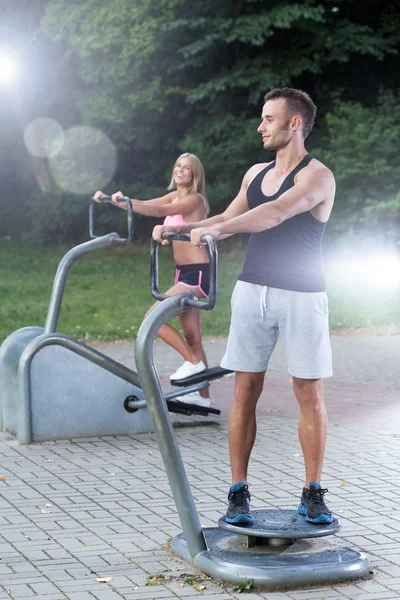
312	504
239	504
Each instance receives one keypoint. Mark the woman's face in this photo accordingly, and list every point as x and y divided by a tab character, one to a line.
183	174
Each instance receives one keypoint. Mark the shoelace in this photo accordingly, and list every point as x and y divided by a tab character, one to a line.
317	496
239	496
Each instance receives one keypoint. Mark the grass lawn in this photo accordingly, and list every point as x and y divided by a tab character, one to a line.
108	293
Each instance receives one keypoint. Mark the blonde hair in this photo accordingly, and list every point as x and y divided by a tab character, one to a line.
198	183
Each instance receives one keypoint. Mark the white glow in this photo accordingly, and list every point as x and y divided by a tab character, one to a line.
8	68
378	271
44	137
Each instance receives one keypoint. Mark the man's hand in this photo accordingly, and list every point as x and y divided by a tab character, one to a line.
159	230
197	234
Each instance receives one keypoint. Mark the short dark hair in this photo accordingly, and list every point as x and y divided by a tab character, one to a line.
298	102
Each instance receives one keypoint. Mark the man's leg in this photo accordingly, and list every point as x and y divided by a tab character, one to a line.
312	436
252	337
242	434
242	422
312	425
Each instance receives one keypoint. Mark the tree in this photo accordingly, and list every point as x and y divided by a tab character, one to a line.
361	148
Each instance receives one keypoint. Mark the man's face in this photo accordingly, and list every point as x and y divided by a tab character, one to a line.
275	126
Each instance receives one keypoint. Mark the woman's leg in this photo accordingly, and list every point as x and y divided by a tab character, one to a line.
191	325
171	336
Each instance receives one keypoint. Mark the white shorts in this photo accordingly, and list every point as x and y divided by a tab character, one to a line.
260	314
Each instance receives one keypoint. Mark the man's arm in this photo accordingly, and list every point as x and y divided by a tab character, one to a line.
317	187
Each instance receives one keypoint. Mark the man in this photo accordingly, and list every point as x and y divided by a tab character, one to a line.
285	205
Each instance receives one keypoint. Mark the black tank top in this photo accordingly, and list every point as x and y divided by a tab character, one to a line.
288	256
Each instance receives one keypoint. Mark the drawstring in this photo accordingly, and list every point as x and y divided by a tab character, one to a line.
263	302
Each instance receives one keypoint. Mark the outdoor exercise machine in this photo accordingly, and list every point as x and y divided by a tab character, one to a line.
276	549
53	386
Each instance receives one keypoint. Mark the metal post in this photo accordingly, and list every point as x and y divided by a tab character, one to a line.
158	411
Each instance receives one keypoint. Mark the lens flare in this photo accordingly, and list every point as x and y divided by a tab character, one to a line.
44	137
86	162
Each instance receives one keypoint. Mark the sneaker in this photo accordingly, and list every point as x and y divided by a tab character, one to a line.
194	398
312	504
239	504
188	369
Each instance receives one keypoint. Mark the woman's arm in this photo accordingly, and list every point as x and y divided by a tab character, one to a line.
161	201
144	207
185	205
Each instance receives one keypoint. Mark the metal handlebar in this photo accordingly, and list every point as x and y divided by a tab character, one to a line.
107	200
213	256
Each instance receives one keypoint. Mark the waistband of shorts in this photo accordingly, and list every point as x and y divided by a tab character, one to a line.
193	266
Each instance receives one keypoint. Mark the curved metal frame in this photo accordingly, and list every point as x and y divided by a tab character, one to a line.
66	262
107	200
25	434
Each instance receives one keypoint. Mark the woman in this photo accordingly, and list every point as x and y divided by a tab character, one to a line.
187	203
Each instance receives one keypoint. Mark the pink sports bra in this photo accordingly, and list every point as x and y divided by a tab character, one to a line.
174	220
177	219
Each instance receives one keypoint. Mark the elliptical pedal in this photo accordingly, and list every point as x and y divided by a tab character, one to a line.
181	408
206	375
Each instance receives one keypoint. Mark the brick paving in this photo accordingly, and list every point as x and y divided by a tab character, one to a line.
88	519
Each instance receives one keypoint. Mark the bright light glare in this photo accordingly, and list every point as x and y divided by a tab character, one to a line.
8	69
44	137
377	272
87	161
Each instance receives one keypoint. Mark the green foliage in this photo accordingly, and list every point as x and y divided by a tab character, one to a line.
248	584
56	217
141	62
362	150
158	579
195	581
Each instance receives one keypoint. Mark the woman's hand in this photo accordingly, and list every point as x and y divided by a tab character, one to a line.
98	195
159	230
118	200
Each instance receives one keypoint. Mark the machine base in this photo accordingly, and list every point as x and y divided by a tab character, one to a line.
302	563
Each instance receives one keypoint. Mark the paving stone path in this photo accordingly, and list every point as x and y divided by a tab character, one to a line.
87	519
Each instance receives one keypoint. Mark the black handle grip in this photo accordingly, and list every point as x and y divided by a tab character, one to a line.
211	247
107	200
